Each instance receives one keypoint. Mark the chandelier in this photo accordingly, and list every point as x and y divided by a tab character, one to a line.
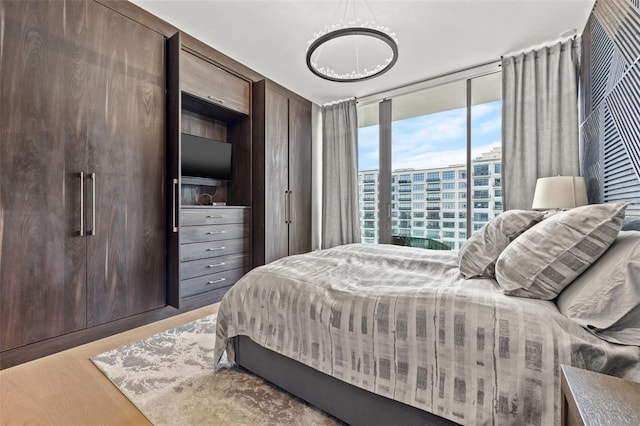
352	51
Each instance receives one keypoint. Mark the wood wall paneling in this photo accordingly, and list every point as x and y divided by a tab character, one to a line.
42	284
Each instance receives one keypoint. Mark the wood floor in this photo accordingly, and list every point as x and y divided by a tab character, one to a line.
67	389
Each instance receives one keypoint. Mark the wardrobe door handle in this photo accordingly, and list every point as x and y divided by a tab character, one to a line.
92	231
214	99
81	204
286	207
290	197
173	205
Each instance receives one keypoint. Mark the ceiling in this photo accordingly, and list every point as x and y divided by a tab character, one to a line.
435	37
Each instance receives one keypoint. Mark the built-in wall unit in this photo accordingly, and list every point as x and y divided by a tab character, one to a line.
126	173
209	171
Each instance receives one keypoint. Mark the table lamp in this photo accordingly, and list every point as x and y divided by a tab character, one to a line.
559	193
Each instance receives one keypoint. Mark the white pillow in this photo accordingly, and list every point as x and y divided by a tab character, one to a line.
542	261
605	299
477	256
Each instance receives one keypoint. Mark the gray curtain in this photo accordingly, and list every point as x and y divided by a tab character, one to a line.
539	119
340	221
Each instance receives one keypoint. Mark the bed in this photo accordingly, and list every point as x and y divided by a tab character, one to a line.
381	334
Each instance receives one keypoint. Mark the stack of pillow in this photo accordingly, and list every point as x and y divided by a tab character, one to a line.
537	257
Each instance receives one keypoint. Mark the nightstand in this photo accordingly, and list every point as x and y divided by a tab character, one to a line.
590	398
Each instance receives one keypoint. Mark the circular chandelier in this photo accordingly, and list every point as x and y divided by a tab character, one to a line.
352	51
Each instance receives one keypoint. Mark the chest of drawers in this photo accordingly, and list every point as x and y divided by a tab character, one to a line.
214	248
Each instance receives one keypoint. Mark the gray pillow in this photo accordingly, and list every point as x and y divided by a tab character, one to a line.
477	256
605	299
631	224
542	261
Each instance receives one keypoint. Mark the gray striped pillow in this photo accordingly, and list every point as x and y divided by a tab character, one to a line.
478	255
542	261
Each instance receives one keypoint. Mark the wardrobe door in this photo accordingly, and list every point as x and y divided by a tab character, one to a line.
126	147
276	176
299	177
42	151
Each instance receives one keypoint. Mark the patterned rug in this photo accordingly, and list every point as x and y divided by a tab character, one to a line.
170	377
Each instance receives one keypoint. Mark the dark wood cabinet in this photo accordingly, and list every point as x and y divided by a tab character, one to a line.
42	150
82	200
206	101
282	173
299	176
126	152
94	239
214	248
213	84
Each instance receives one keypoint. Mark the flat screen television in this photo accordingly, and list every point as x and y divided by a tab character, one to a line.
208	158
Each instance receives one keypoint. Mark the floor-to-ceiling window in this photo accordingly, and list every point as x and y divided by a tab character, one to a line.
368	172
445	152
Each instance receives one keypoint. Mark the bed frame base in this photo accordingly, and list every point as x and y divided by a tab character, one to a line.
346	402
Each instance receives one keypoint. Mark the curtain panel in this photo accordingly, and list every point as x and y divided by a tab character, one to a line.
539	119
340	220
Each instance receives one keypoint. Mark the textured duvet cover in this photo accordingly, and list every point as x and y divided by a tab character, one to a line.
403	323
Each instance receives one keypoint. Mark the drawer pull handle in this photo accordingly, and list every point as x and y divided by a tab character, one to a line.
216	232
214	99
216	248
216	281
216	217
217	264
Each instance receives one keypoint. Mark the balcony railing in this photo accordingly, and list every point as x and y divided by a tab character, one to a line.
433	179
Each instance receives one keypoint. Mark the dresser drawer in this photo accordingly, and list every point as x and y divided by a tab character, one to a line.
196	234
213	216
197	268
195	251
206	283
213	84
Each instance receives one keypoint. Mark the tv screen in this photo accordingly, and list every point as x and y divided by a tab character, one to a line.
203	157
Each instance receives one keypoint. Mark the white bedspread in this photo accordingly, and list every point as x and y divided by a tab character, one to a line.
403	323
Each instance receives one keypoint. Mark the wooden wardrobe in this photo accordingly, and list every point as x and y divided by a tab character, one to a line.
281	173
82	167
93	241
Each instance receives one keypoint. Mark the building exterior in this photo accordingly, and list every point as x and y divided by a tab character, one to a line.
431	204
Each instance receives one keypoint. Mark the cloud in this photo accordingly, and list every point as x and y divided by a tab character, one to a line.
435	140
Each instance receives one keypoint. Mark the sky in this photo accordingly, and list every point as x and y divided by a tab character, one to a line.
434	140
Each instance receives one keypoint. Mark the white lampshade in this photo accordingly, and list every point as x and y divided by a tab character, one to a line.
560	192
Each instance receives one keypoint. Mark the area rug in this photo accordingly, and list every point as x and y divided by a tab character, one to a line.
170	378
